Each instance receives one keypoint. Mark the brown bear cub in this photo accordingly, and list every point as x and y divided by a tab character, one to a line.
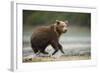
48	35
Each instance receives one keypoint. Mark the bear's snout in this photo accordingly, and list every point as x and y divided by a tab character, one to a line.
65	30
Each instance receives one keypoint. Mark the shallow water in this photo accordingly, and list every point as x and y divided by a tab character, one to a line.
75	42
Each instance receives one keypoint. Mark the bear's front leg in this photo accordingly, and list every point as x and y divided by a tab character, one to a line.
60	48
56	45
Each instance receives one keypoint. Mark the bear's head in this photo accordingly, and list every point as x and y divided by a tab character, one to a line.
61	26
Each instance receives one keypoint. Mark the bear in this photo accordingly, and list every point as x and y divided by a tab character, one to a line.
48	35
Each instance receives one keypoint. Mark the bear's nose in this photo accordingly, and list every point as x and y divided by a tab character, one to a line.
65	30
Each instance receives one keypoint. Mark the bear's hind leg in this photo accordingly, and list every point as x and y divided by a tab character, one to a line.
35	50
43	51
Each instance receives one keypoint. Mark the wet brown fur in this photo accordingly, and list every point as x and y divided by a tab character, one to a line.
44	36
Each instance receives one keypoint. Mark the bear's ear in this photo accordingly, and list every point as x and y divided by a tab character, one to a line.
57	22
67	22
54	26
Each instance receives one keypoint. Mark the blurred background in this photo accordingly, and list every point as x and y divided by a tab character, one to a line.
76	42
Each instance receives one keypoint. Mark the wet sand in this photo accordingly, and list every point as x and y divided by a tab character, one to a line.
62	58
